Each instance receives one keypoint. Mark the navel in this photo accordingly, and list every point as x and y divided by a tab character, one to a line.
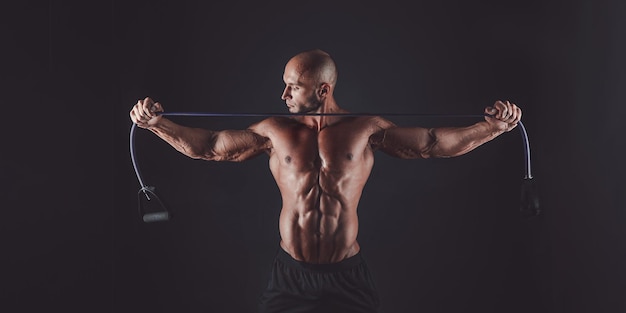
350	156
288	159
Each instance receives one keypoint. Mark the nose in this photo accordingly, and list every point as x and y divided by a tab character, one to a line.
286	93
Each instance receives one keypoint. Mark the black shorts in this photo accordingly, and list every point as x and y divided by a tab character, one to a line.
295	286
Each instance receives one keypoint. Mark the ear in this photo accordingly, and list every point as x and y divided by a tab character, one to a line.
323	90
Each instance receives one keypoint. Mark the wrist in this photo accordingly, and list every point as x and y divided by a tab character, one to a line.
156	123
492	129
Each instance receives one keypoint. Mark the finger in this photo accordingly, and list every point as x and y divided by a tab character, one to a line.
136	119
515	111
501	107
518	114
498	105
133	117
157	107
491	111
136	111
139	111
509	111
513	116
147	106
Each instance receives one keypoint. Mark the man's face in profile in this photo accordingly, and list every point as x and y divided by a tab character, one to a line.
300	92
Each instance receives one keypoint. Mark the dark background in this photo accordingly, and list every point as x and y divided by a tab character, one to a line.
440	235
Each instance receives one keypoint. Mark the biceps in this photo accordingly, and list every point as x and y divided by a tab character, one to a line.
235	145
409	142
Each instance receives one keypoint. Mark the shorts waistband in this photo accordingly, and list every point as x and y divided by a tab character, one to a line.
344	264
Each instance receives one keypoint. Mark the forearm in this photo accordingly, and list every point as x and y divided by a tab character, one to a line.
455	141
222	145
417	142
192	142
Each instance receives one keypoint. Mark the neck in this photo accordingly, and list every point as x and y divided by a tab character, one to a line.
320	122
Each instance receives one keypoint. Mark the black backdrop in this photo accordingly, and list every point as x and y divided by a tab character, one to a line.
441	235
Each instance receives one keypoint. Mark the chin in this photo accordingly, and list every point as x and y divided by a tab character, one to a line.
311	109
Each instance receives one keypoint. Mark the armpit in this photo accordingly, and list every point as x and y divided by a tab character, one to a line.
377	139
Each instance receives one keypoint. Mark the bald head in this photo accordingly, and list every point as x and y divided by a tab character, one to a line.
316	65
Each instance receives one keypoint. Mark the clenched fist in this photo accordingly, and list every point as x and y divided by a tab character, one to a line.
144	113
505	115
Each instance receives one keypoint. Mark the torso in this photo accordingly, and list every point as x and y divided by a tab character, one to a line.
321	175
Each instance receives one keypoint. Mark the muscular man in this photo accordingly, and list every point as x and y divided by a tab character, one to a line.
321	164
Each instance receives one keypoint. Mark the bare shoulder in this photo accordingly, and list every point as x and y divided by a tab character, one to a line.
269	125
378	123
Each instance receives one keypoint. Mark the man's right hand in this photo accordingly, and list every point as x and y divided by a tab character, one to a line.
144	113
